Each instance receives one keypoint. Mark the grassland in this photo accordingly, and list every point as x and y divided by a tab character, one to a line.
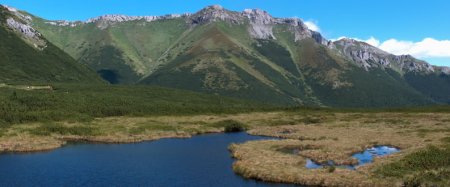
422	138
37	117
43	119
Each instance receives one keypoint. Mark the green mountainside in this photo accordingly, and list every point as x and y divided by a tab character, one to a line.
249	55
26	56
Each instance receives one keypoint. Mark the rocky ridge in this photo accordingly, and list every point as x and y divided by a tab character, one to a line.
260	22
368	57
20	23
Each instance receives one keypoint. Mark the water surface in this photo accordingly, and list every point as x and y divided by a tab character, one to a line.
198	161
363	158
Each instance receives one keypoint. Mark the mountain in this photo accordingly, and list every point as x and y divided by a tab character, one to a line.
247	54
26	56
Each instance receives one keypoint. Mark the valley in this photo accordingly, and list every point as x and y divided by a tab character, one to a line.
115	99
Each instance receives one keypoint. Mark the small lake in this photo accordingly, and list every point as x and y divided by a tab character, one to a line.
198	161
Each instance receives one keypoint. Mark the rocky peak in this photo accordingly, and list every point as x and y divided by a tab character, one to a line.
410	64
349	43
368	56
258	16
64	23
215	13
363	54
105	21
261	23
23	17
11	9
124	18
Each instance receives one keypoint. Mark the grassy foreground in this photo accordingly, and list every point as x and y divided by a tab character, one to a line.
422	137
44	119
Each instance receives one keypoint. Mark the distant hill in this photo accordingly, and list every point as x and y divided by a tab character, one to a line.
26	56
249	55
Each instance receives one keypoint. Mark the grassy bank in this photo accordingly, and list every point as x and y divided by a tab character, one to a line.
38	136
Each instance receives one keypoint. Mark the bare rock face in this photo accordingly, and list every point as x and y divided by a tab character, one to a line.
261	23
363	54
26	30
215	13
105	21
64	23
410	64
368	57
120	18
21	24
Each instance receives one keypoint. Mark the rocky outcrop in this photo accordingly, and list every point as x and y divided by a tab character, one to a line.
105	21
20	23
368	57
261	23
363	54
26	30
123	18
64	23
215	13
410	64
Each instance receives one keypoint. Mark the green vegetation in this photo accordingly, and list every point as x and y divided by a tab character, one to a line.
85	102
427	167
231	125
53	128
121	54
222	58
21	62
430	158
432	85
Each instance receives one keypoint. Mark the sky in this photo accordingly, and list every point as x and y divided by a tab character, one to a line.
419	28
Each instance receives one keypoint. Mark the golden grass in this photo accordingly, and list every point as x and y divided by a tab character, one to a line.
337	138
318	135
20	137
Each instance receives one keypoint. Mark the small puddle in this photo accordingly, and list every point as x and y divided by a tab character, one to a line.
363	158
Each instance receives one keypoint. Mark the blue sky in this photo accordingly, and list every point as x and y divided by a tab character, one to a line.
398	26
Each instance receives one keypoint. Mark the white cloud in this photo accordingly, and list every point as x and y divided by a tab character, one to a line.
427	48
373	41
312	26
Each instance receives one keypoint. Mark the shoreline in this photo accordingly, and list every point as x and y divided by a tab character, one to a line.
61	142
317	136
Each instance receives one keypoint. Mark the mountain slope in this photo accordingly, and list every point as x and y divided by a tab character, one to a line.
27	56
247	54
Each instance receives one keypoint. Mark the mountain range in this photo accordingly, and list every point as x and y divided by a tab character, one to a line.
26	55
248	54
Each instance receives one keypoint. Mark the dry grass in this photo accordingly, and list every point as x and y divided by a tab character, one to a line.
38	137
336	140
318	135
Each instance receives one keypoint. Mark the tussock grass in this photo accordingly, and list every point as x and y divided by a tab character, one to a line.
340	135
60	129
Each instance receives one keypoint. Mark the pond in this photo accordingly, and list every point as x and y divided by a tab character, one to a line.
198	161
363	158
